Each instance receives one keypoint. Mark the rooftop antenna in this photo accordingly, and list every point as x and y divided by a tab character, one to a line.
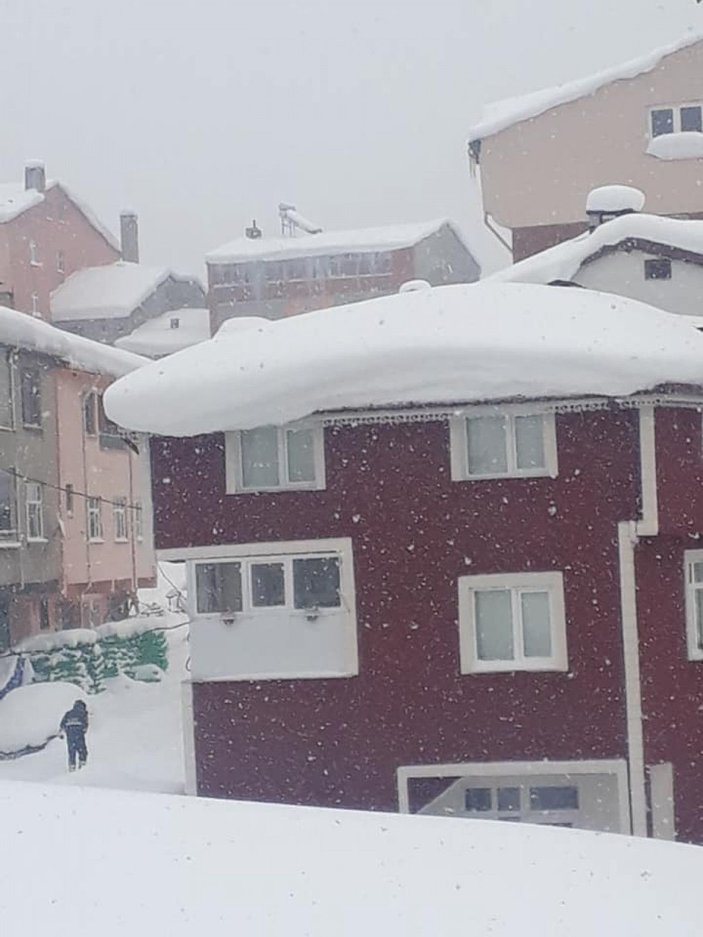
292	221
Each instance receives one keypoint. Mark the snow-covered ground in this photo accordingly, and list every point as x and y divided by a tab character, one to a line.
90	862
135	736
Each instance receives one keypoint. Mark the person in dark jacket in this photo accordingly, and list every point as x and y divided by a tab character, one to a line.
74	726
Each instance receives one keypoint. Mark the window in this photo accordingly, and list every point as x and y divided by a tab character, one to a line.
35	305
119	518
35	510
44	615
694	603
8	505
7	414
512	622
34	254
307	583
503	445
60	262
272	458
175	323
682	119
138	521
90	402
110	436
545	804
658	268
95	519
69	500
30	387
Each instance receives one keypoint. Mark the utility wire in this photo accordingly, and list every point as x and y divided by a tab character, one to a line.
72	491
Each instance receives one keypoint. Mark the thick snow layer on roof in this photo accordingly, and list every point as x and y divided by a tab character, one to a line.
563	261
607	198
329	242
158	337
20	330
450	344
687	144
502	114
112	863
112	291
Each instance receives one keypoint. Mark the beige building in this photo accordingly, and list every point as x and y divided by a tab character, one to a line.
638	124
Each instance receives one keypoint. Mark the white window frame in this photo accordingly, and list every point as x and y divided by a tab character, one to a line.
60	262
676	109
138	521
94	524
119	520
11	536
286	560
7	359
233	462
550	582
34	253
34	512
476	771
459	448
695	650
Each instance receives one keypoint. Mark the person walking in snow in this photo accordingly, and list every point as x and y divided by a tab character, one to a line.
74	726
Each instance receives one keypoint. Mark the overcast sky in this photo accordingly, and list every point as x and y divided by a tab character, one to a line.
202	114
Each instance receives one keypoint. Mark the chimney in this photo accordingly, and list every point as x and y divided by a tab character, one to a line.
611	201
129	236
254	232
35	175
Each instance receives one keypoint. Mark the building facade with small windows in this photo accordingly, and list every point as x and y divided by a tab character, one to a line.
75	517
277	277
638	123
440	561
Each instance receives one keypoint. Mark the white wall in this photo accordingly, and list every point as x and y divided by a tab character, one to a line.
623	273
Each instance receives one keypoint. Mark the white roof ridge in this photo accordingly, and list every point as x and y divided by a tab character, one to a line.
356	240
505	112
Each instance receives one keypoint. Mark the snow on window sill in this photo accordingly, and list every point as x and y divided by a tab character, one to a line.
10	544
687	144
37	539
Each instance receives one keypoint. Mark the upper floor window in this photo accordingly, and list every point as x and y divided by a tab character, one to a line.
272	458
60	262
34	254
175	322
680	119
35	304
7	412
139	521
694	603
30	389
94	508
119	518
512	621
657	268
109	432
90	403
8	505
491	445
35	510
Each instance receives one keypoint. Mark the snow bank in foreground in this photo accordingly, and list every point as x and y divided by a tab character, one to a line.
30	715
167	865
451	344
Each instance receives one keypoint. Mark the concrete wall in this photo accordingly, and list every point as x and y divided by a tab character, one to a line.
622	272
539	171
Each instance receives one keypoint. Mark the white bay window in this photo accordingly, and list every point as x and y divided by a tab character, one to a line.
272	458
489	444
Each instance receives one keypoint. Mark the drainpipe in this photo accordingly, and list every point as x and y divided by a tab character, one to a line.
629	533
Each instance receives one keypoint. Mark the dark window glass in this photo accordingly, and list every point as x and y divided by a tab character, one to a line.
7	504
89	420
691	118
6	411
31	396
69	499
110	437
267	585
554	798
44	620
316	583
477	800
509	799
657	269
218	587
662	121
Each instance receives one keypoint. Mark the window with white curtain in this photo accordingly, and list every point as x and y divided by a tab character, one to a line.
35	510
272	458
503	445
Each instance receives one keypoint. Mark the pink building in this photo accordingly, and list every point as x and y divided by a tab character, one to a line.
444	556
46	234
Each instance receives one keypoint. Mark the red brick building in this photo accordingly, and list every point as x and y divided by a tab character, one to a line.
478	594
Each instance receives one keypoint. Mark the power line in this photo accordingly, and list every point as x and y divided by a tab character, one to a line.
70	490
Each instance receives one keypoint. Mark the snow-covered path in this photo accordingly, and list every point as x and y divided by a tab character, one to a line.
135	738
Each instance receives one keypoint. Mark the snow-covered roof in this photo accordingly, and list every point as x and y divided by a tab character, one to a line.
15	199
158	337
451	344
112	291
501	114
20	330
563	261
116	862
360	240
